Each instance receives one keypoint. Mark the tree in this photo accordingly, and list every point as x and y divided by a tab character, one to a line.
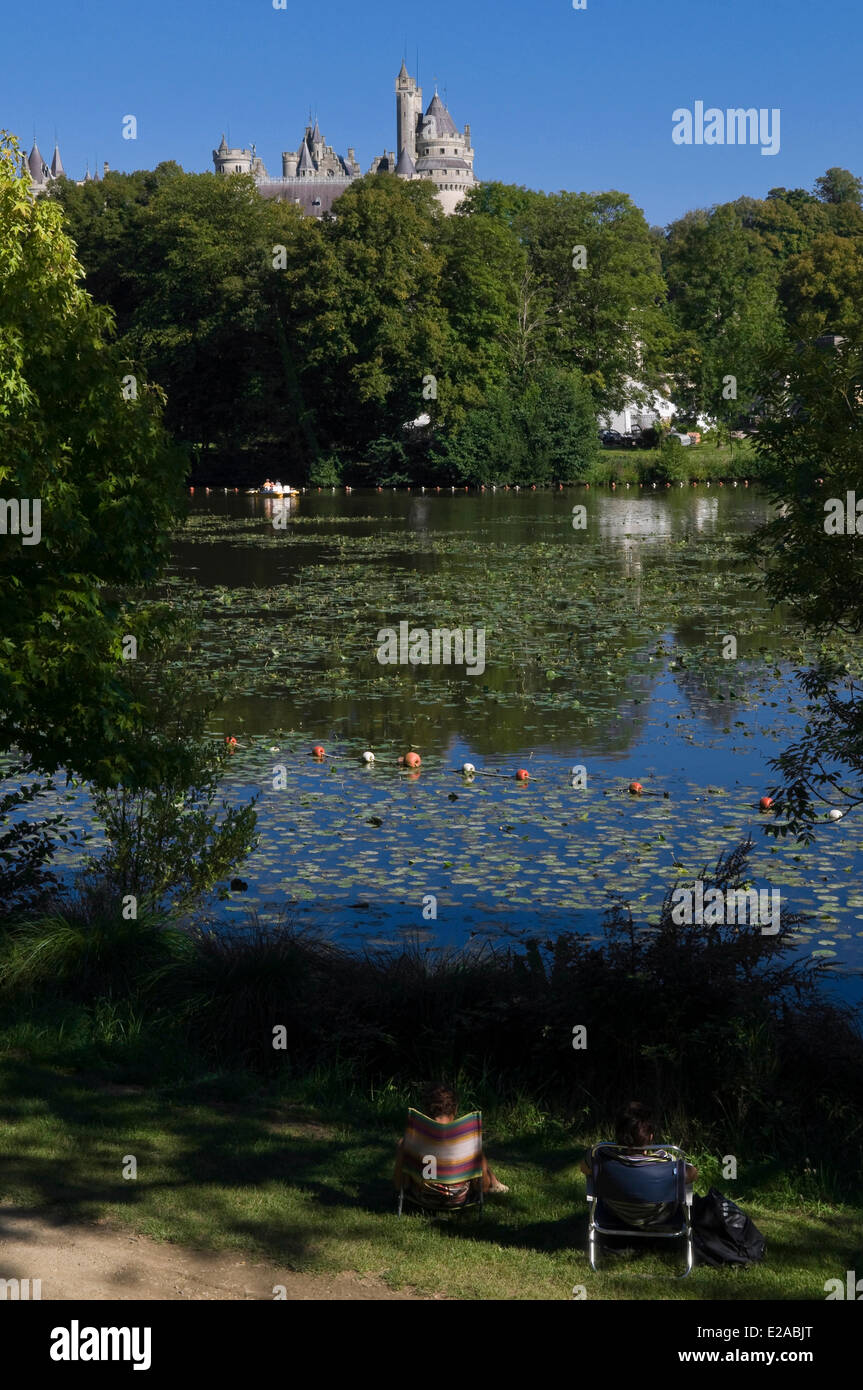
722	289
95	459
593	257
822	288
211	310
839	186
540	430
481	276
811	446
105	220
373	334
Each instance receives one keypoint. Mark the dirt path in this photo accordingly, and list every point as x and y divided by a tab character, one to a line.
78	1261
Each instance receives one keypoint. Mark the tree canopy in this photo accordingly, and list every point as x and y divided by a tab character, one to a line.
83	445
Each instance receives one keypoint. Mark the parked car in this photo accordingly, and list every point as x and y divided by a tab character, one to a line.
684	439
611	438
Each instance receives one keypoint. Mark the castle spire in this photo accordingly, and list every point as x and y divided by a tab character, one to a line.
405	167
38	168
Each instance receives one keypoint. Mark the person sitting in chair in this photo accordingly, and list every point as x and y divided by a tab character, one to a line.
440	1103
634	1132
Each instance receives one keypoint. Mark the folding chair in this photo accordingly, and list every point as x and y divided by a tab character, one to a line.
438	1156
620	1192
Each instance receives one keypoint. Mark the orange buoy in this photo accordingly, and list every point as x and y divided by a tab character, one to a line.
765	803
636	788
231	742
318	750
412	760
522	775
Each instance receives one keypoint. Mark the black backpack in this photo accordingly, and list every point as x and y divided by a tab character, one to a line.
722	1234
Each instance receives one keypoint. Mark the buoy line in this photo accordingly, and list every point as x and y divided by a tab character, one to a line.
411	761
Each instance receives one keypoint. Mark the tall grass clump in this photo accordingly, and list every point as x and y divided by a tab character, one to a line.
86	951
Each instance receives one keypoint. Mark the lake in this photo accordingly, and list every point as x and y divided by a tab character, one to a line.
606	648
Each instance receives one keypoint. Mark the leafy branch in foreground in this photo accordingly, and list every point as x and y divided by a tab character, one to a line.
811	448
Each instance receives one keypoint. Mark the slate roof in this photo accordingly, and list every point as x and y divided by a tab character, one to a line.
445	125
433	161
36	164
57	170
315	196
305	159
405	165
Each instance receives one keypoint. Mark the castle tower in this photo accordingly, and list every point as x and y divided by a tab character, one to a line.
444	155
409	109
37	168
232	161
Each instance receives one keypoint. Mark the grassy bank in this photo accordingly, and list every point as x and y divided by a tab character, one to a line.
260	1078
300	1173
730	1034
697	463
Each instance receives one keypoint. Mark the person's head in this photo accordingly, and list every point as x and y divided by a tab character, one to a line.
635	1127
439	1101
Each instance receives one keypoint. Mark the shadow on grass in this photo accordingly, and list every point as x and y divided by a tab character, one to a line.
78	1137
276	1179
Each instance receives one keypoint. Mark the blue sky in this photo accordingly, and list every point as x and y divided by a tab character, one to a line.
556	98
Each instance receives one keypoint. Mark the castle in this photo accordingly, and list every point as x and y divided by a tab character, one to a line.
42	175
430	147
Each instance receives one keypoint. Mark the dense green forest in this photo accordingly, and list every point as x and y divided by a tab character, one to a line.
510	324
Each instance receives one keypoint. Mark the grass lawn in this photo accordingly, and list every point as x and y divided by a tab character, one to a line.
303	1177
699	461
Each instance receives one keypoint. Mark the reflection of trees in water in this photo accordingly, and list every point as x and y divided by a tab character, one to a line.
456	559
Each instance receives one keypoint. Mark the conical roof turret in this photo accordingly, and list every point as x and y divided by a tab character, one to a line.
444	123
57	170
36	164
405	166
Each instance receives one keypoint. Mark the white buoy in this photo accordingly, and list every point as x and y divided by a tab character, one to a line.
834	814
468	769
368	757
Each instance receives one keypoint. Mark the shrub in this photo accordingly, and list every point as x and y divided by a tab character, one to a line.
326	471
86	952
27	848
